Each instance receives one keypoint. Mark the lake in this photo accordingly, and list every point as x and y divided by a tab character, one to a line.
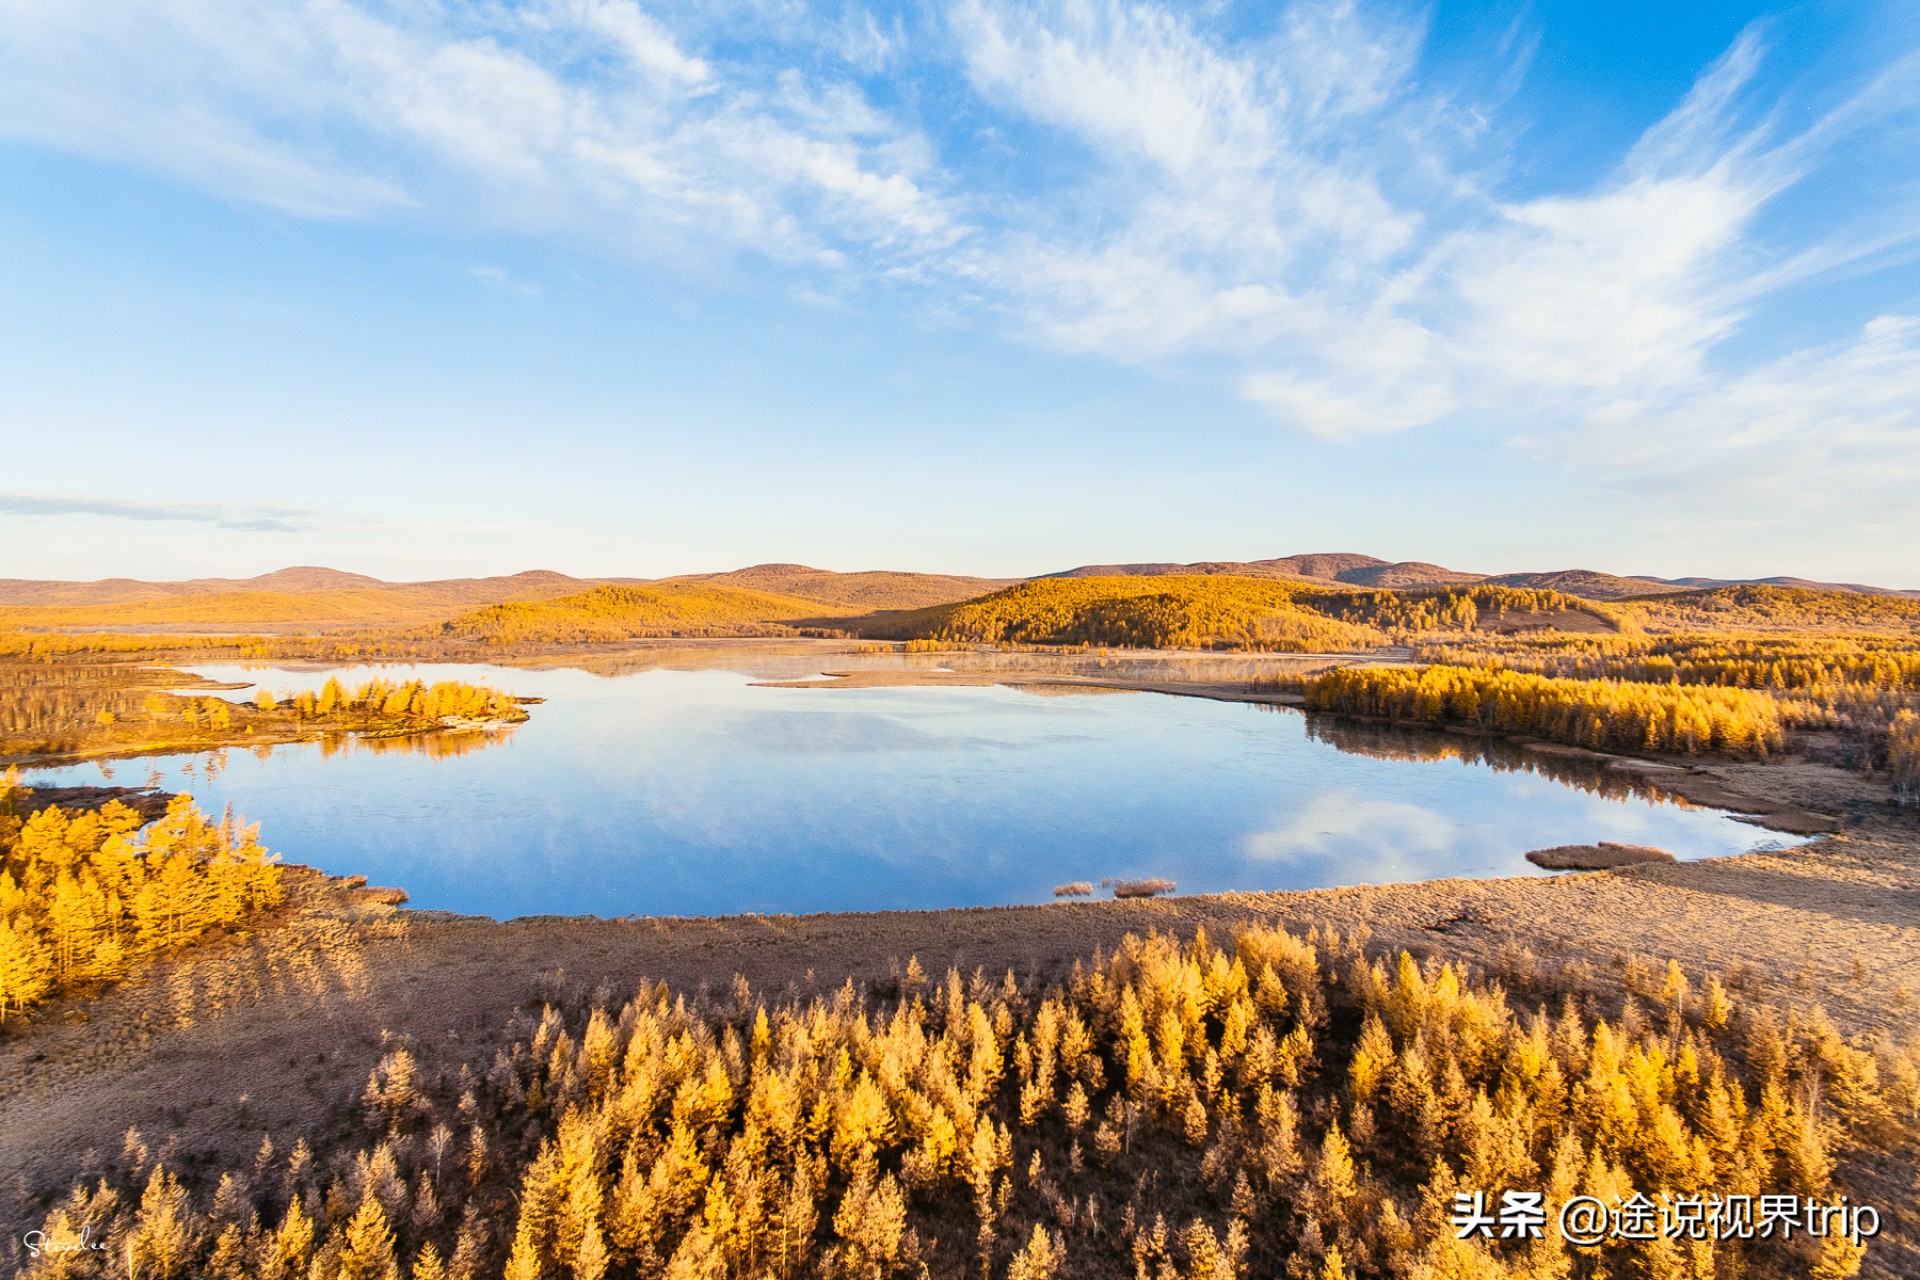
695	791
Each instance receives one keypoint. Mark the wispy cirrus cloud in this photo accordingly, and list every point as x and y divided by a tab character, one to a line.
1842	412
584	118
1300	210
1347	242
1236	202
256	519
1307	207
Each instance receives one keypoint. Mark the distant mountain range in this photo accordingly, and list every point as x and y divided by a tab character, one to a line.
1350	569
299	580
310	594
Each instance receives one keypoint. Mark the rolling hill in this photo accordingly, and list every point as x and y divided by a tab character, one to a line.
1350	569
1586	583
1225	611
289	600
871	591
309	599
1762	607
613	613
1328	567
298	580
1140	610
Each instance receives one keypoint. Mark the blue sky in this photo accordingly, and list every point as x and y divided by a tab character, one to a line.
425	289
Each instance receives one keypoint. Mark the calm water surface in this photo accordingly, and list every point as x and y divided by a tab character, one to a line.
692	792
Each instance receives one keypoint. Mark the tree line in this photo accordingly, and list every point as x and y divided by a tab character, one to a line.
1758	606
396	700
86	895
1588	713
1860	686
1781	664
1412	613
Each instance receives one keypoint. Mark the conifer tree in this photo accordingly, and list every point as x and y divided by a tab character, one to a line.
26	968
366	1252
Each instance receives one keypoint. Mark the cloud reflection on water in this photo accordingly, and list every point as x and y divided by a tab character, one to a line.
677	791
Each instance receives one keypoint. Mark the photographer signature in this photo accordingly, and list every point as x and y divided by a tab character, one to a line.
38	1242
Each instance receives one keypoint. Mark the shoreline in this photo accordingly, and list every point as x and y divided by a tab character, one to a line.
1695	781
1692	779
1688	777
265	1028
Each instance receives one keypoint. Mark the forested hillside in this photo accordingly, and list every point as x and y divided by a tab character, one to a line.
1756	607
1145	612
612	613
1225	612
1636	674
850	593
1274	1107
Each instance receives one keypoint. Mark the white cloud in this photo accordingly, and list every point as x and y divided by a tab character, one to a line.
1345	821
863	43
1237	204
1843	414
1300	208
1306	208
583	118
1342	410
252	519
646	44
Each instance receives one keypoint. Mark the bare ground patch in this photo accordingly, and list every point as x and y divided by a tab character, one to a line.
1604	856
